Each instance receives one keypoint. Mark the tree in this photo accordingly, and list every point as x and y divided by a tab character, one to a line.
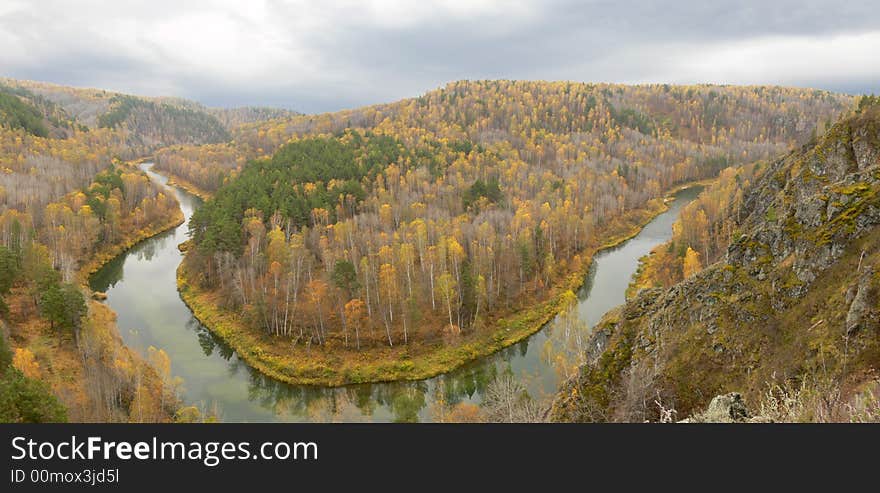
64	306
388	287
407	256
345	277
469	288
23	399
52	306
446	289
508	401
161	362
276	248
9	271
354	315
36	267
317	292
23	360
692	263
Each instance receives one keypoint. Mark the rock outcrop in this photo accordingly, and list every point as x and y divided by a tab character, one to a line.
795	294
727	408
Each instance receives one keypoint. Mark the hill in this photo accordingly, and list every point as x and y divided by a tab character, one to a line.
404	239
68	202
788	315
232	118
55	139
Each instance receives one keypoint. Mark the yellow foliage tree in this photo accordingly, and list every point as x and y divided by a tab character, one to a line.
24	361
692	263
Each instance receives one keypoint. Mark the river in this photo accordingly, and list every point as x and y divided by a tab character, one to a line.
141	288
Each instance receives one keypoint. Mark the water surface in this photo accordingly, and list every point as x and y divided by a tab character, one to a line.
141	288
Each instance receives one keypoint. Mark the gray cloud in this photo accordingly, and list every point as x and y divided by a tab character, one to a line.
320	56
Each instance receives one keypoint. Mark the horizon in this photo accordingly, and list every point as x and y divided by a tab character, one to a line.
437	88
323	57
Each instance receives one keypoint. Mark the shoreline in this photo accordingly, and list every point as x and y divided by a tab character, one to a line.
102	258
185	185
325	368
101	323
105	256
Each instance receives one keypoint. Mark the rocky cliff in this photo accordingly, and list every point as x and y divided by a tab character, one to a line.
795	298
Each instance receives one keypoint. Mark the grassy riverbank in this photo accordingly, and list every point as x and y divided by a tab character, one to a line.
126	243
186	186
71	368
128	240
334	365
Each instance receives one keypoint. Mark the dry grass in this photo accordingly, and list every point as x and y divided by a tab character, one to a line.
820	401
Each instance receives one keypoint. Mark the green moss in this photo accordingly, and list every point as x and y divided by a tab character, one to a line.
791	281
855	189
844	222
793	228
808	176
597	381
780	178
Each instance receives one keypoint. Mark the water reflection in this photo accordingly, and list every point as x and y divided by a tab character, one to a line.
141	288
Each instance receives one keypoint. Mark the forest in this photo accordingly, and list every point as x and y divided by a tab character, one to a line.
346	246
422	223
767	289
69	201
18	115
702	232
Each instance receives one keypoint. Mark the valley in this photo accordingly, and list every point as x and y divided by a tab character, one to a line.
440	258
784	315
217	378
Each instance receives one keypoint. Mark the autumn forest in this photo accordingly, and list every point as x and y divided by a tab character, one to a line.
424	225
384	243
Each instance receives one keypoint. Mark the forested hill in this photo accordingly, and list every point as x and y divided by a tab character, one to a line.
431	218
232	118
787	315
21	109
151	125
55	139
546	120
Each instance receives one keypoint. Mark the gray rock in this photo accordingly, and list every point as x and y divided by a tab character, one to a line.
866	155
726	408
860	303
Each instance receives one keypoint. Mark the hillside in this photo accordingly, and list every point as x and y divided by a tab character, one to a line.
789	310
407	238
151	125
21	109
69	202
55	139
148	123
729	124
232	118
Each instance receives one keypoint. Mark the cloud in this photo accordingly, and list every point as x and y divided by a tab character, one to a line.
326	55
789	60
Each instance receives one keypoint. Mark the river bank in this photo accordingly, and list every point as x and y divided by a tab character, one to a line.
69	364
216	377
187	186
128	241
335	365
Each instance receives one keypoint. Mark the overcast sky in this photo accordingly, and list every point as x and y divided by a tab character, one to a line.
324	55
